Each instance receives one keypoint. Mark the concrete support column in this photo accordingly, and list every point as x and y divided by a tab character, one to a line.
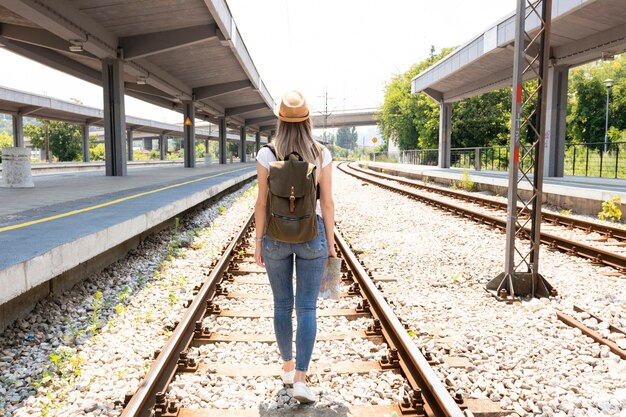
86	156
147	144
162	146
16	168
258	141
189	140
18	130
556	114
129	142
242	144
223	145
271	136
445	134
114	117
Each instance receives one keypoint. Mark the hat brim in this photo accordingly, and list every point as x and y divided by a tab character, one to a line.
289	119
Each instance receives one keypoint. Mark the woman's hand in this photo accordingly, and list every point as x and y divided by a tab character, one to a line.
331	251
258	255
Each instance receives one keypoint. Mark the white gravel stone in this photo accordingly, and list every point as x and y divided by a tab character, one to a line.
442	264
111	340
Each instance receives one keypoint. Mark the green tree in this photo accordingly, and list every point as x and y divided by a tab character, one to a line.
65	139
586	122
410	119
482	120
347	137
587	101
6	141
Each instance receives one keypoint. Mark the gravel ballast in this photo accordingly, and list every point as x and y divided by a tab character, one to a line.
78	353
521	355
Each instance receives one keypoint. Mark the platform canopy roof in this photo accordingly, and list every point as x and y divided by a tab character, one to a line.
33	105
173	51
582	31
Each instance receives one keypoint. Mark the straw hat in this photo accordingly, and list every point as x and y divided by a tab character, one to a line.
292	107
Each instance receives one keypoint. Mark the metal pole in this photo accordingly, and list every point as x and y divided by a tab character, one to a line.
47	133
521	273
606	125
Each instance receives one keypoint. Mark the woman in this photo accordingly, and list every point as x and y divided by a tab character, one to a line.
294	134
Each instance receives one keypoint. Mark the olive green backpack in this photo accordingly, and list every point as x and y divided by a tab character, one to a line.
291	199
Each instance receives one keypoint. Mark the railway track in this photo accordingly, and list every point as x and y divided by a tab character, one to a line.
387	372
493	213
599	336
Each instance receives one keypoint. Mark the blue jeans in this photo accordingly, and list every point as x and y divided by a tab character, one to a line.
310	258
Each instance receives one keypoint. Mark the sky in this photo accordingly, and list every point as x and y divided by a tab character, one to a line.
348	49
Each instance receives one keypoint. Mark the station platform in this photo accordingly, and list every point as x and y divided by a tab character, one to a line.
583	195
50	234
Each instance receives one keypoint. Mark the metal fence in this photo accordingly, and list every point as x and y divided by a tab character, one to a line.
581	159
419	157
590	160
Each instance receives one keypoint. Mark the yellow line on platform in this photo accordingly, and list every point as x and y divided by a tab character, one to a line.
110	203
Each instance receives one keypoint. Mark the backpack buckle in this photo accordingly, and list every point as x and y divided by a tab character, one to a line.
292	200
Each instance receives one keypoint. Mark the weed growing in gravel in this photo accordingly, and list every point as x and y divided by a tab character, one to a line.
75	332
180	280
124	295
62	369
565	212
195	245
222	210
94	322
141	280
426	179
171	298
119	309
59	374
611	209
120	373
466	182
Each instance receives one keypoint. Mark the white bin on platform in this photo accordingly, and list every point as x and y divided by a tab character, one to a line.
207	159
16	168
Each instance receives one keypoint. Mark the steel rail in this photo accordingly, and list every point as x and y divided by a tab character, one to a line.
558	219
572	322
416	368
164	367
597	255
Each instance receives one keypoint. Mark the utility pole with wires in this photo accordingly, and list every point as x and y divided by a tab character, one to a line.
325	113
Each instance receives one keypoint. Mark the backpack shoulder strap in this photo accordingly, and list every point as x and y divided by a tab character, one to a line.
271	147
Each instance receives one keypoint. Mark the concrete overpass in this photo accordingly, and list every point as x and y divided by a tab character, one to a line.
348	118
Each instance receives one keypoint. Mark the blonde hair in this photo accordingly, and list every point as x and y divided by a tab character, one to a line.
297	137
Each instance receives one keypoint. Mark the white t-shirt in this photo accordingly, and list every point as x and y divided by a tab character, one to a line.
265	156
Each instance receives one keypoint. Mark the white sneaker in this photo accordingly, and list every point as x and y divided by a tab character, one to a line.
287	376
302	393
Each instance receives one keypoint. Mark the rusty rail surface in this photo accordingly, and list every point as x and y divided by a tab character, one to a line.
552	218
429	397
573	322
163	369
571	247
416	368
